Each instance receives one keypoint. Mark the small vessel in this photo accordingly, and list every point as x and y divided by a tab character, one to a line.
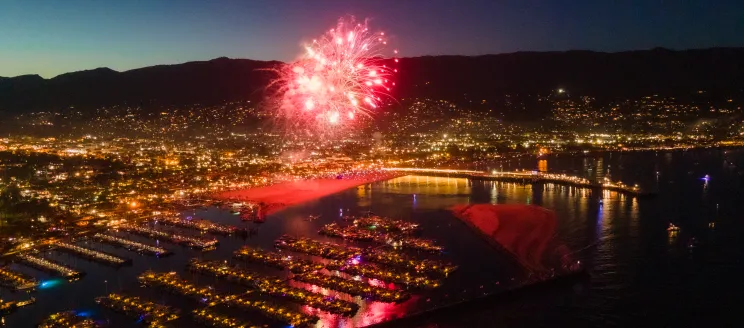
672	227
312	217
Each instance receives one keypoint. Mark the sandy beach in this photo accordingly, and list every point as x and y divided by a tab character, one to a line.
279	196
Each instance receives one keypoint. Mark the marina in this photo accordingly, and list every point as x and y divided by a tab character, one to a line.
49	266
134	306
194	242
274	311
11	306
172	283
16	280
67	319
131	245
277	260
200	225
394	259
308	298
91	254
316	248
353	287
529	177
211	318
394	276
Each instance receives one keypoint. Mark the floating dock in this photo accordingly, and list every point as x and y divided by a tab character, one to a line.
91	254
131	245
49	266
16	281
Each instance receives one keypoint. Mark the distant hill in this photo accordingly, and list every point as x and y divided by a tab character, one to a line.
456	78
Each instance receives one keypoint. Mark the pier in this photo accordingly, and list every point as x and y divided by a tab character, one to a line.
90	254
531	177
16	280
193	242
49	266
131	245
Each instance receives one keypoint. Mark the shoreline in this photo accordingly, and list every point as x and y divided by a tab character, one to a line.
279	196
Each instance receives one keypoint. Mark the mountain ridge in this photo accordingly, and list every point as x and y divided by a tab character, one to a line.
449	77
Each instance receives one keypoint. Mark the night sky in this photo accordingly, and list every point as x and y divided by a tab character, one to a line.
53	37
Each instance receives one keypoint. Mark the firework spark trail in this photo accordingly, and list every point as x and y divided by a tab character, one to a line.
340	76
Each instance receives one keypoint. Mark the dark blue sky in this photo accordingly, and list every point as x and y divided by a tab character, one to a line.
53	37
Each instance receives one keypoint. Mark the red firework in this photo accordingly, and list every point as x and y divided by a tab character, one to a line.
340	76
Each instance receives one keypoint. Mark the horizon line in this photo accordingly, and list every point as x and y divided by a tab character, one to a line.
422	56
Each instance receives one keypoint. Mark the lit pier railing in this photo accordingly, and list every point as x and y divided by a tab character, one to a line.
49	266
68	319
131	245
136	307
277	260
532	176
195	242
16	280
210	318
91	254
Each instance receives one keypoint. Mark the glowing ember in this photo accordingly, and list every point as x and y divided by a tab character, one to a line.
340	75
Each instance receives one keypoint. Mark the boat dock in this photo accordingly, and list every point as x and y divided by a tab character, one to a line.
200	225
131	245
90	254
49	266
16	281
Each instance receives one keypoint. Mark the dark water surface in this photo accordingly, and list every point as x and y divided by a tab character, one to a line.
641	276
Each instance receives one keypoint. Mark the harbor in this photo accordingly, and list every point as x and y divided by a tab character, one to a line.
150	313
183	240
49	266
16	281
284	279
90	254
131	245
200	225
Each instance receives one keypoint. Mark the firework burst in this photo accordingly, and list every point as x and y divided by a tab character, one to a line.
340	76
